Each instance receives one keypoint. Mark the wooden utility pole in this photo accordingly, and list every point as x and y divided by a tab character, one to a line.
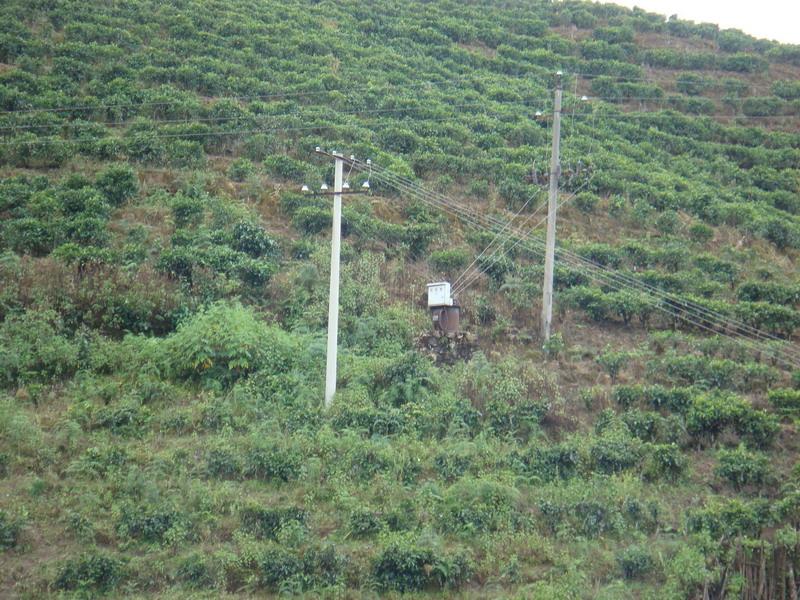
333	299
552	206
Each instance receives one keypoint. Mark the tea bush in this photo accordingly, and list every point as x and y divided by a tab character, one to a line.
265	523
786	401
118	184
90	572
407	565
479	505
741	468
9	531
635	562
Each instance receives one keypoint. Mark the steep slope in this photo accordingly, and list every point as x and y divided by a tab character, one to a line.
163	298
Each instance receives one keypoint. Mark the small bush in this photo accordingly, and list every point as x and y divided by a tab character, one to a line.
635	562
364	523
271	462
666	461
277	565
741	468
253	240
187	210
33	348
118	184
406	566
149	524
478	505
225	342
701	233
98	572
586	201
265	523
9	531
240	169
448	261
614	452
786	401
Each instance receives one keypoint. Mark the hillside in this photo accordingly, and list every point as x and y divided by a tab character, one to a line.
164	297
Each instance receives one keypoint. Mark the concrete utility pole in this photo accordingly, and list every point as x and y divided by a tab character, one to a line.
552	206
333	299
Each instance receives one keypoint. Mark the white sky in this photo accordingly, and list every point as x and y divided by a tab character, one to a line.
770	19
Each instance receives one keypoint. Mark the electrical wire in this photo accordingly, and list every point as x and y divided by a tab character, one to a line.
495	239
699	309
610	279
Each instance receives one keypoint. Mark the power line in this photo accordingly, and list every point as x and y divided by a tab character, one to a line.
704	320
697	308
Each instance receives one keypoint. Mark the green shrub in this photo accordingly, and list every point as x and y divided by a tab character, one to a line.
478	505
404	565
197	571
614	452
710	414
126	418
270	462
551	463
33	348
729	519
223	463
586	201
701	233
9	531
118	184
277	565
635	562
786	401
364	523
225	342
448	261
627	396
240	169
265	523
285	167
254	241
311	219
741	467
94	571
613	361
665	461
158	524
452	463
187	210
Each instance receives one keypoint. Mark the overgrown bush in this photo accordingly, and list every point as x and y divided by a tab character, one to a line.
225	342
34	348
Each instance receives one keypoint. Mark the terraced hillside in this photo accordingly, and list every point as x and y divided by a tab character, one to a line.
164	288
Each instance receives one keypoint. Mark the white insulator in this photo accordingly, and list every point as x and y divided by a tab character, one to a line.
304	188
323	187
